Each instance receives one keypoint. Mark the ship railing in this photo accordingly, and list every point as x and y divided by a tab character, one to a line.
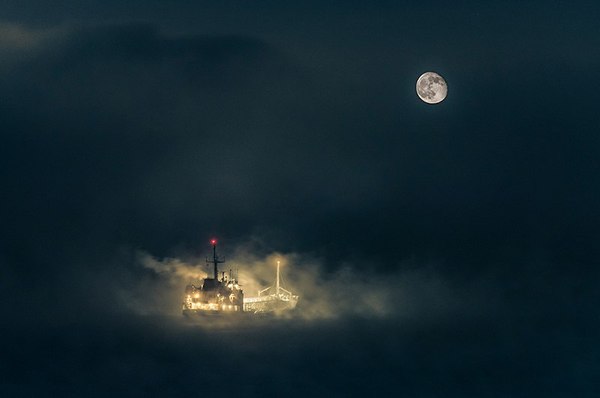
260	292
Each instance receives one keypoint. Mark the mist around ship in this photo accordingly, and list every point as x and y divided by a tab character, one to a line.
323	295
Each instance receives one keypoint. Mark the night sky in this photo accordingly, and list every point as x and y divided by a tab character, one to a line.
447	250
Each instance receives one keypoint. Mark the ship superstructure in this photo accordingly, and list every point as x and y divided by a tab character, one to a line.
214	295
271	299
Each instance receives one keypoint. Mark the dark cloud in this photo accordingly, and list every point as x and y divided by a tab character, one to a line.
440	251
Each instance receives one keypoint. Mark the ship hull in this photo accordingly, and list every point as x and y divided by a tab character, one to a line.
196	313
269	304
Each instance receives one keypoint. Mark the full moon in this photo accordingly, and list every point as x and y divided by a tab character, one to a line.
431	88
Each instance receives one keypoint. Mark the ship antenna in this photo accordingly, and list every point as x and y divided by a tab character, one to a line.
215	260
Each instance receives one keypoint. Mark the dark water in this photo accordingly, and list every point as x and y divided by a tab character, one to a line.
266	356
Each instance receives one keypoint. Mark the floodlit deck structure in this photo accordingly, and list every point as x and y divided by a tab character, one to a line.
214	295
272	299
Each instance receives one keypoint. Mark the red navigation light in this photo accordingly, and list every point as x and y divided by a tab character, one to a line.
213	242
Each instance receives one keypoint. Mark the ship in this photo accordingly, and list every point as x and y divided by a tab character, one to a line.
214	295
273	299
224	295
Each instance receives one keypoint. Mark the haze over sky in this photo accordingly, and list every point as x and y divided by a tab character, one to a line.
439	251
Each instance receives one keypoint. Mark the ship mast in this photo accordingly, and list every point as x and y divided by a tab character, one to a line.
277	283
215	260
